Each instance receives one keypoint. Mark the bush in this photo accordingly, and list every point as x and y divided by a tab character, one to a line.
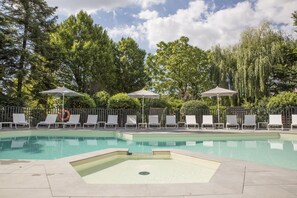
123	101
191	107
84	101
156	103
101	99
282	100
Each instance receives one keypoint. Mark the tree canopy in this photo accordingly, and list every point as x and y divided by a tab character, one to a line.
129	63
37	53
25	27
85	54
179	69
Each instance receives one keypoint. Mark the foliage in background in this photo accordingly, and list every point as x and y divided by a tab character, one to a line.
24	31
156	103
101	99
191	107
129	66
259	56
282	100
37	54
179	68
86	55
123	101
85	101
223	71
294	17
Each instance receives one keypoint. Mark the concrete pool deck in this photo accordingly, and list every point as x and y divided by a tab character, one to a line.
57	178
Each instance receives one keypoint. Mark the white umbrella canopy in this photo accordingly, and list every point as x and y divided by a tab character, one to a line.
143	94
61	91
218	92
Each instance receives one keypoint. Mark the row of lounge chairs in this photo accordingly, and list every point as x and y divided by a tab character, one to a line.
275	121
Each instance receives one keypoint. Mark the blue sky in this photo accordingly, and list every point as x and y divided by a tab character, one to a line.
205	22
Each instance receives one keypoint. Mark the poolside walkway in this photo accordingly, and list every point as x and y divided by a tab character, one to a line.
57	178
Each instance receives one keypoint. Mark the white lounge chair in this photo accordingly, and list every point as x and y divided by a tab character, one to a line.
49	120
249	121
19	119
91	121
191	121
232	121
154	121
294	121
73	121
112	120
275	120
207	120
170	121
131	121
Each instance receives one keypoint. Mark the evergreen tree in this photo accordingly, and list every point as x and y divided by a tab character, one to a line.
25	28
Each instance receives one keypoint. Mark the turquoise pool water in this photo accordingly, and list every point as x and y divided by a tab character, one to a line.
276	152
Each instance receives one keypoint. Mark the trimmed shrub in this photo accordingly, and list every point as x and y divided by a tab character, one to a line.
156	103
175	104
101	99
282	100
123	101
85	101
191	107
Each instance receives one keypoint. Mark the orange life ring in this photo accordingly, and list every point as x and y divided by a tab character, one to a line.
65	114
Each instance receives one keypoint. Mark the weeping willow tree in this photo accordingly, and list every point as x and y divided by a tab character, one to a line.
224	69
256	55
225	66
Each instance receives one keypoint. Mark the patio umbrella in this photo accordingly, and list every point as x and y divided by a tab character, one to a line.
218	92
143	94
62	91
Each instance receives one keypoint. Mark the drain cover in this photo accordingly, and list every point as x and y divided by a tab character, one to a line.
144	173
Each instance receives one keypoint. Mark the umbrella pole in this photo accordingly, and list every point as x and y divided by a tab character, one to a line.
142	109
62	113
218	99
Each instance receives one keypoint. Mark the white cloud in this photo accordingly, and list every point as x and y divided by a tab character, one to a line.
135	32
206	28
147	14
68	7
149	3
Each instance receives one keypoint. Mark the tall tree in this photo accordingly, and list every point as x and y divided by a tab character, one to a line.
223	70
224	61
86	54
129	62
294	16
255	56
179	68
266	63
30	22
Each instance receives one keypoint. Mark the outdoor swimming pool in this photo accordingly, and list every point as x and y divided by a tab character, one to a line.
277	152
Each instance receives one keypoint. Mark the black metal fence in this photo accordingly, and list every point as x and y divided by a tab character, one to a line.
35	115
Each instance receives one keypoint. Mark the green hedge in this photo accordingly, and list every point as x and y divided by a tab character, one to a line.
85	101
101	99
123	101
190	107
282	100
